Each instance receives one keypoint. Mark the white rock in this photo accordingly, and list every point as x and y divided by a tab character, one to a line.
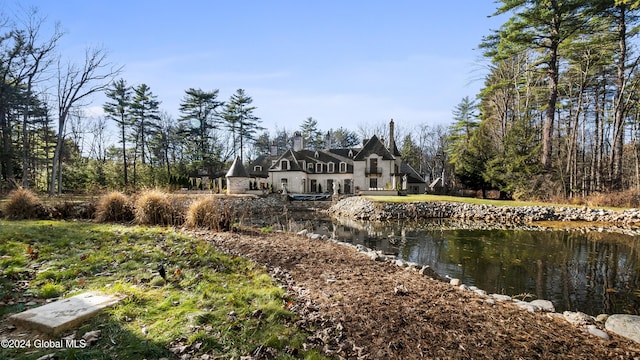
501	298
490	301
302	232
480	292
602	318
625	325
545	305
593	330
578	318
455	282
526	306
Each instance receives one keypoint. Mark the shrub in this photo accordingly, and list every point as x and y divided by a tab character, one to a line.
153	208
210	213
73	210
114	206
24	204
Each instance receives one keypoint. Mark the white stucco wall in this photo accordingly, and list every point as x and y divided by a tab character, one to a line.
237	185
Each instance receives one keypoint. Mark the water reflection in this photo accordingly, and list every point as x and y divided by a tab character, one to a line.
579	271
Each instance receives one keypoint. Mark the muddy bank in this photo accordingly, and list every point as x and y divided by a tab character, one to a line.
364	309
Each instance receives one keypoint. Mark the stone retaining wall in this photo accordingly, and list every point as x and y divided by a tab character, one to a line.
364	209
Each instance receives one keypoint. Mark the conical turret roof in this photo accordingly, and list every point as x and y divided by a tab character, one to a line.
237	169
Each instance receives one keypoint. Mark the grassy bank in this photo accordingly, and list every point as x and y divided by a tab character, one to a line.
467	200
210	303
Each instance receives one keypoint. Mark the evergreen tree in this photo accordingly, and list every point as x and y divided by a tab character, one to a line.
542	26
119	110
311	135
241	121
411	152
145	116
344	138
199	113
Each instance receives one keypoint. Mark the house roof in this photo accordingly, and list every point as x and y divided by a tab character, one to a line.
237	169
412	175
374	146
264	161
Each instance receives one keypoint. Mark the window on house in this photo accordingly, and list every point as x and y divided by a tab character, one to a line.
310	167
373	183
257	168
284	165
318	168
331	167
343	167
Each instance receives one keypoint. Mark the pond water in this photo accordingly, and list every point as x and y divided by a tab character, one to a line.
593	272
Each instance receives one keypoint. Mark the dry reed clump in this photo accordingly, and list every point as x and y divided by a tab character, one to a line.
210	213
114	206
628	198
24	204
154	208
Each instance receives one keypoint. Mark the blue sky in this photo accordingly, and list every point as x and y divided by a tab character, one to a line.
344	63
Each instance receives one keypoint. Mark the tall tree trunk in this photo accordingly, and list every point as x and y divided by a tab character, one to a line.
553	77
619	104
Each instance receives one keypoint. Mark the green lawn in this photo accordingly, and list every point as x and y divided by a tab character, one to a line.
466	200
210	303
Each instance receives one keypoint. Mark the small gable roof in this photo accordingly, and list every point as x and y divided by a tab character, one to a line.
374	146
412	175
237	169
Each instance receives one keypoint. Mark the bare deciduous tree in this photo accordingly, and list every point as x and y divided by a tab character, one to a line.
76	84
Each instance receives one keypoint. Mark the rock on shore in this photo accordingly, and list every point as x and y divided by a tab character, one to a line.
364	209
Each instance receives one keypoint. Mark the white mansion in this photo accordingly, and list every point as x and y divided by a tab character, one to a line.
372	168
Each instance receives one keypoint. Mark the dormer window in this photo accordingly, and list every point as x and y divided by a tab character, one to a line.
343	167
316	154
318	168
257	168
309	167
284	165
350	153
331	167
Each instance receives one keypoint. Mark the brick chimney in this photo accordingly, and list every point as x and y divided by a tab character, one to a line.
392	141
297	141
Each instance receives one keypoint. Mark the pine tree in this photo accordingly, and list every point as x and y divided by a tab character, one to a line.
145	115
542	26
311	135
241	121
200	116
119	110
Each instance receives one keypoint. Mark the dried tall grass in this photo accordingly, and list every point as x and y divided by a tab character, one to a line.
23	204
210	213
153	207
114	206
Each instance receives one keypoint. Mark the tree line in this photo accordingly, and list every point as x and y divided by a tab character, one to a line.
558	114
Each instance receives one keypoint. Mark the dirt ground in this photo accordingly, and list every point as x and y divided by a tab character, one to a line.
362	309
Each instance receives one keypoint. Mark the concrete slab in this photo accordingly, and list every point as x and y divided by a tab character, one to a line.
65	314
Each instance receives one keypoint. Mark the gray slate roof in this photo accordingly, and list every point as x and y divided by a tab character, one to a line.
237	169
